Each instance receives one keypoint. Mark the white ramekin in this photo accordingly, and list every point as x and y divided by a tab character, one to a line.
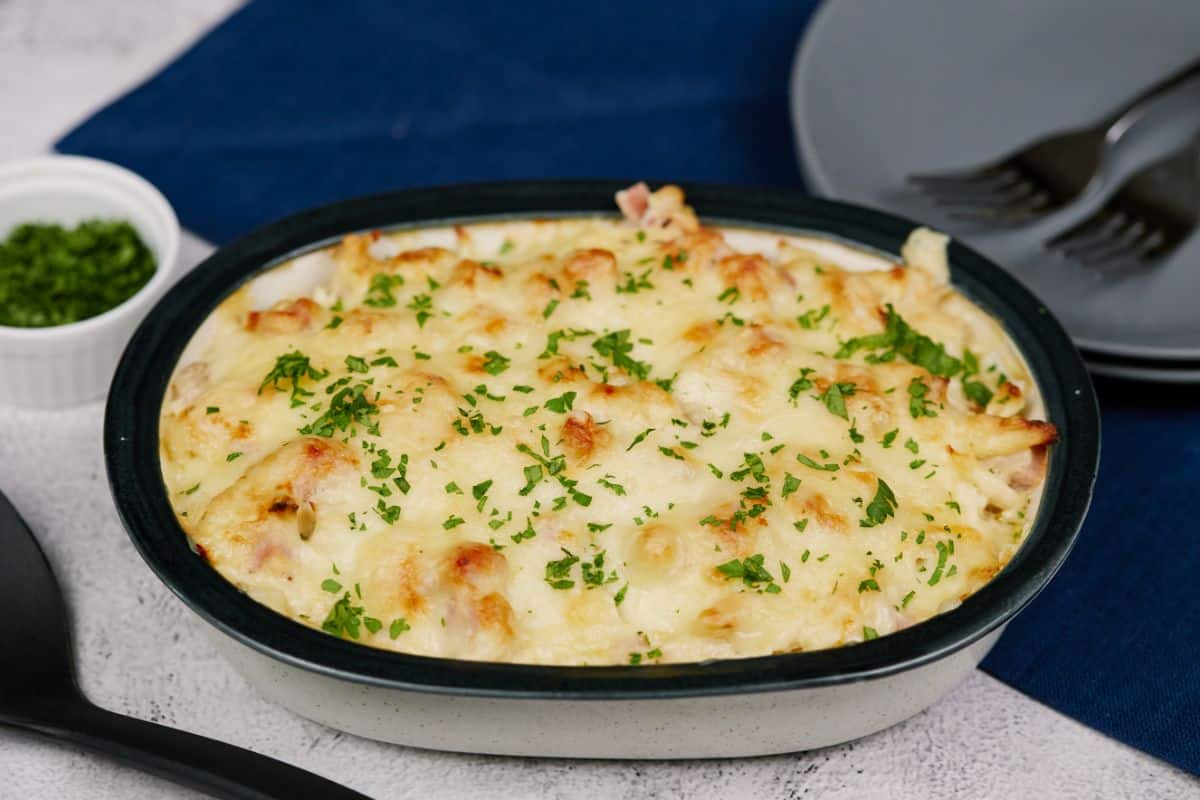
71	364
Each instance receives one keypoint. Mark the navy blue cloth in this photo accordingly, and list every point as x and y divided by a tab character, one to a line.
288	105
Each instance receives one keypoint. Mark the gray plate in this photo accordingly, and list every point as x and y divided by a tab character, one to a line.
881	90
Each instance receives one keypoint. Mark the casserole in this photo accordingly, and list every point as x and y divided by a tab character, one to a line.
739	706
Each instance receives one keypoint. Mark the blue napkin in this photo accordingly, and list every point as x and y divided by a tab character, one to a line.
288	105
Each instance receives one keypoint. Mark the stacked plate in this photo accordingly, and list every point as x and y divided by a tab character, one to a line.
952	85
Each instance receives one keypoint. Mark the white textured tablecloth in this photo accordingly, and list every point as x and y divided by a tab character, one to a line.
141	652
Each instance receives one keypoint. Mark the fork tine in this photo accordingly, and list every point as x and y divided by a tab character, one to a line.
1000	197
1018	208
964	177
1086	232
1107	228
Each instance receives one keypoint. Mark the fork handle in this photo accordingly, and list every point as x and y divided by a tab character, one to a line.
1164	86
219	769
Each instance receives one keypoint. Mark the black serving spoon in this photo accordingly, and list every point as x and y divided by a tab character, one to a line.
39	693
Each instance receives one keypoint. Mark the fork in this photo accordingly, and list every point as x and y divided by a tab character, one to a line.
1047	174
1145	219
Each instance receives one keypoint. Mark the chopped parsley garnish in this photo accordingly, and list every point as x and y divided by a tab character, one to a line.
399	625
557	571
423	305
889	437
293	367
234	456
561	404
616	347
899	339
641	437
356	364
619	597
918	406
379	292
835	396
452	522
944	549
50	275
790	484
670	453
212	410
811	318
808	462
868	585
801	384
635	283
349	406
869	634
549	309
882	506
344	618
494	363
751	572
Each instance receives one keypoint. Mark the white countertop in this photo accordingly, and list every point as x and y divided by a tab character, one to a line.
142	653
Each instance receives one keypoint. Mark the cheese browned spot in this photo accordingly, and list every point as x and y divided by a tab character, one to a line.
597	440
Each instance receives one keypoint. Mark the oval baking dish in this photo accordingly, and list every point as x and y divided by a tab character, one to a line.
736	707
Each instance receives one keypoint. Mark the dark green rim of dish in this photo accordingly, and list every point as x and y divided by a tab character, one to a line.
135	477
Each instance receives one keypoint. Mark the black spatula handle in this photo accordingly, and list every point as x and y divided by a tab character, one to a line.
219	769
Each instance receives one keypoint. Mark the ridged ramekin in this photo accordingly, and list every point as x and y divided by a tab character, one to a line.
66	365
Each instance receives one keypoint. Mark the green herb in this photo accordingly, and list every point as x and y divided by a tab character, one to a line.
634	284
835	396
557	571
294	367
641	437
670	453
907	599
334	322
615	488
918	406
344	618
423	305
808	462
619	597
561	404
616	346
53	276
549	309
751	572
356	364
882	506
234	456
790	484
212	410
869	634
801	384
811	318
944	551
348	406
889	437
899	339
730	295
379	290
399	625
494	363
869	585
452	522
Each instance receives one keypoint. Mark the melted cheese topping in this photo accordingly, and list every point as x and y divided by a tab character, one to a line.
592	441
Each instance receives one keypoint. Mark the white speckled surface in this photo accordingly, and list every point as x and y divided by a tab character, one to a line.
141	652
